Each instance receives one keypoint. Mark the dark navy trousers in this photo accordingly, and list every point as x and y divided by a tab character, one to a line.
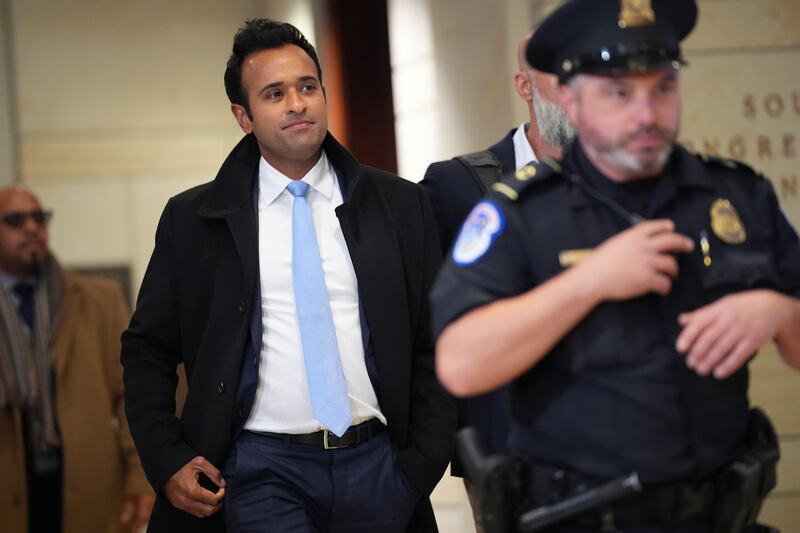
273	484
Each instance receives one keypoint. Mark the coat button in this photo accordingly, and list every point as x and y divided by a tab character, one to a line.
242	306
243	412
220	387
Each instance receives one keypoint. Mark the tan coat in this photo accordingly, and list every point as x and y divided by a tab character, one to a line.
100	462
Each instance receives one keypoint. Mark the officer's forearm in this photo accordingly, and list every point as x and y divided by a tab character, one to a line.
494	344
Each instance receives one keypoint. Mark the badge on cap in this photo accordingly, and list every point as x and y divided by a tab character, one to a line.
725	222
636	13
483	225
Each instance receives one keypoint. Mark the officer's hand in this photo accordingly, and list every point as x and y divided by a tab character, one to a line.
185	493
721	336
637	261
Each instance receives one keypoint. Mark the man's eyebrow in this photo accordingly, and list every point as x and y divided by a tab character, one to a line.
280	83
270	86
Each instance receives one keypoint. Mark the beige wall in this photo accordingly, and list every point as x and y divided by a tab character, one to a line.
7	140
121	105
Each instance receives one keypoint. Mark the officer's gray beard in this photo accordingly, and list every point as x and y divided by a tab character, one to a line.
616	155
554	126
637	167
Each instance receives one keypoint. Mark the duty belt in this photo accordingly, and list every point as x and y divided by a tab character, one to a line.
671	503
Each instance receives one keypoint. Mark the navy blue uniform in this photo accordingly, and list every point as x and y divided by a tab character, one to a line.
614	395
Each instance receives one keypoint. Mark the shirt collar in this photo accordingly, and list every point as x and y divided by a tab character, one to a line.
683	171
272	182
523	153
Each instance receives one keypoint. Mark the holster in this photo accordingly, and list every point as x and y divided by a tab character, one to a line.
743	485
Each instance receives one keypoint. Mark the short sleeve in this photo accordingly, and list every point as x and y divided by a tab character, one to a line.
487	263
787	250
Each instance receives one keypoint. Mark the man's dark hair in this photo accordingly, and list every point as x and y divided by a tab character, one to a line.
255	35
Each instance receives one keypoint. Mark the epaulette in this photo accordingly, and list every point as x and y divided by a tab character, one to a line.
513	185
732	164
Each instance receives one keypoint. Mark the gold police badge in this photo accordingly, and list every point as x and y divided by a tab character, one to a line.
725	222
635	13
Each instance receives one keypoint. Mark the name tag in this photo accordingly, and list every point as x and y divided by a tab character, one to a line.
567	258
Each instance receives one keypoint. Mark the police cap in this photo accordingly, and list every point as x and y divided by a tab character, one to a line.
611	37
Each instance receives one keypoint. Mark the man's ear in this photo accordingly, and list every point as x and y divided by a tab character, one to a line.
522	83
242	117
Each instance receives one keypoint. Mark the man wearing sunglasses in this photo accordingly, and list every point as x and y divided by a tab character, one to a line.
61	415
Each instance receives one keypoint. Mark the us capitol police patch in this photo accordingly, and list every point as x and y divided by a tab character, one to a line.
483	225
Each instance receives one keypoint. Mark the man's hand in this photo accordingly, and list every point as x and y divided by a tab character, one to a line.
185	493
637	261
721	336
136	511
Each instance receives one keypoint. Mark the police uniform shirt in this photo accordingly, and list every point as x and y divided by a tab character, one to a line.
614	395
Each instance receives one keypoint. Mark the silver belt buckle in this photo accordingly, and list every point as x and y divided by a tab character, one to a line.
325	434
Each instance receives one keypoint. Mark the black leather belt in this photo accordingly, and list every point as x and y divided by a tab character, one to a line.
354	435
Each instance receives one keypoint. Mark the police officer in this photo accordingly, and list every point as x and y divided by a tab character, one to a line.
624	289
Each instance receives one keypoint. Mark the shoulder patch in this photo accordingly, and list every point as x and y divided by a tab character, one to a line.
511	186
732	164
483	225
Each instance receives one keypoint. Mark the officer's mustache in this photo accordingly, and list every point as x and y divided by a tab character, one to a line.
663	133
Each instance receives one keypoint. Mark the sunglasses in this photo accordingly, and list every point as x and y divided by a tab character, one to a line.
17	218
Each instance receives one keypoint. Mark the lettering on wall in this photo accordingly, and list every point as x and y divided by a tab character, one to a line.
763	140
788	187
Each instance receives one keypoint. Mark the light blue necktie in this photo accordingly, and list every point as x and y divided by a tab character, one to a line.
326	383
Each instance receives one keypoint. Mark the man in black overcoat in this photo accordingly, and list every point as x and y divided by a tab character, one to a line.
253	449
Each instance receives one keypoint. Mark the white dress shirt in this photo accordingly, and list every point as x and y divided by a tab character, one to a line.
282	403
523	152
